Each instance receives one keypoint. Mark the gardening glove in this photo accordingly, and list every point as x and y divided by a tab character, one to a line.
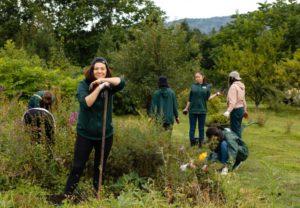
183	167
185	111
177	120
104	85
246	115
226	114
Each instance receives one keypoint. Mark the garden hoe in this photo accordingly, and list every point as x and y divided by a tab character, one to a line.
102	143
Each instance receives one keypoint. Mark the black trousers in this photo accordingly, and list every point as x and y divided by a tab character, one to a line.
83	148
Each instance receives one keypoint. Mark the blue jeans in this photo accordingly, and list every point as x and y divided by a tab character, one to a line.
201	121
236	117
223	152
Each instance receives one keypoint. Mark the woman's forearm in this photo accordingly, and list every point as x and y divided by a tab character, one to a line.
91	98
114	81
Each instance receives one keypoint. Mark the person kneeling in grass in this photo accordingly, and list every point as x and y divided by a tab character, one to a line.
226	147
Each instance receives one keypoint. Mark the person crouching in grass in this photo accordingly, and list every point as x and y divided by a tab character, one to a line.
227	148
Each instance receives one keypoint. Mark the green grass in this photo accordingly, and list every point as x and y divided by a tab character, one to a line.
269	178
271	175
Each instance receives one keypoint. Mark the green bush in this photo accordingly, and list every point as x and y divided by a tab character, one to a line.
217	120
136	148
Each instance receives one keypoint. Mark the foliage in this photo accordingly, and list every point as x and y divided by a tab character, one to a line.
137	149
23	75
255	63
29	173
217	120
154	51
74	26
287	72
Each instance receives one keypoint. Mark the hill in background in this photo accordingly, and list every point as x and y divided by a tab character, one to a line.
205	25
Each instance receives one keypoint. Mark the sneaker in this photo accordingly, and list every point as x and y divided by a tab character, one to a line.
237	165
56	199
224	171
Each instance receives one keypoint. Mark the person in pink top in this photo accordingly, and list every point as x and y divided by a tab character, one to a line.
236	103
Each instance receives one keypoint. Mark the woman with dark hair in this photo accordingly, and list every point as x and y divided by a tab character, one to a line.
236	103
41	99
226	147
38	117
90	94
197	106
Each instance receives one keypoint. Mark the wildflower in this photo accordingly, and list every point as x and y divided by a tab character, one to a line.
73	118
202	156
2	88
184	167
181	149
192	165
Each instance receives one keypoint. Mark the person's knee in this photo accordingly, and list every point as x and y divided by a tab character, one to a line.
223	145
77	169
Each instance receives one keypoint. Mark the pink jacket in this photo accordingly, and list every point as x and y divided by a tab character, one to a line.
236	96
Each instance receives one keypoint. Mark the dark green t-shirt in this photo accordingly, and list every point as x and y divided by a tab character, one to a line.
164	105
90	118
198	98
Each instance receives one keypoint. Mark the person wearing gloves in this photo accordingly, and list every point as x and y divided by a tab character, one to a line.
226	147
236	103
197	107
164	104
90	95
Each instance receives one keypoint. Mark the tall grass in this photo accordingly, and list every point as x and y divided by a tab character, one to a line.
143	168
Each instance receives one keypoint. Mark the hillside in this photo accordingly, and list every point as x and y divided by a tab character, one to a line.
205	25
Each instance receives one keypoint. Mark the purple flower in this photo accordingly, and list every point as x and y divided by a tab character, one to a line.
73	118
2	88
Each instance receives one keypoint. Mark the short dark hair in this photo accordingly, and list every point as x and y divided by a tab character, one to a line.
214	131
47	97
89	72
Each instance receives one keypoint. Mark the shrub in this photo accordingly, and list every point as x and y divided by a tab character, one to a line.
217	120
261	119
136	148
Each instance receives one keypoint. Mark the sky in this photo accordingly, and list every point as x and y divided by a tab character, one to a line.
178	9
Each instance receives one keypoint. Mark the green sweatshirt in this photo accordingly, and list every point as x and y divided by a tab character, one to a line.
90	118
198	98
35	100
164	105
237	149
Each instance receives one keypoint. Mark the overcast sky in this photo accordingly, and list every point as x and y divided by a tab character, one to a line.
178	9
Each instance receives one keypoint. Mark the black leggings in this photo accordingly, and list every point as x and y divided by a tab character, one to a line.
83	148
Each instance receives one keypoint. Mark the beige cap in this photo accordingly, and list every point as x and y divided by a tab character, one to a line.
235	75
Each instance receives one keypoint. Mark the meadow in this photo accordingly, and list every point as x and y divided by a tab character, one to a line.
144	164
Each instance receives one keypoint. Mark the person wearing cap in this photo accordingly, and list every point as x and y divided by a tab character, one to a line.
91	97
197	107
41	99
236	102
164	104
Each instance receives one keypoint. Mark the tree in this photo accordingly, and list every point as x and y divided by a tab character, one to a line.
77	26
154	51
255	64
287	72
